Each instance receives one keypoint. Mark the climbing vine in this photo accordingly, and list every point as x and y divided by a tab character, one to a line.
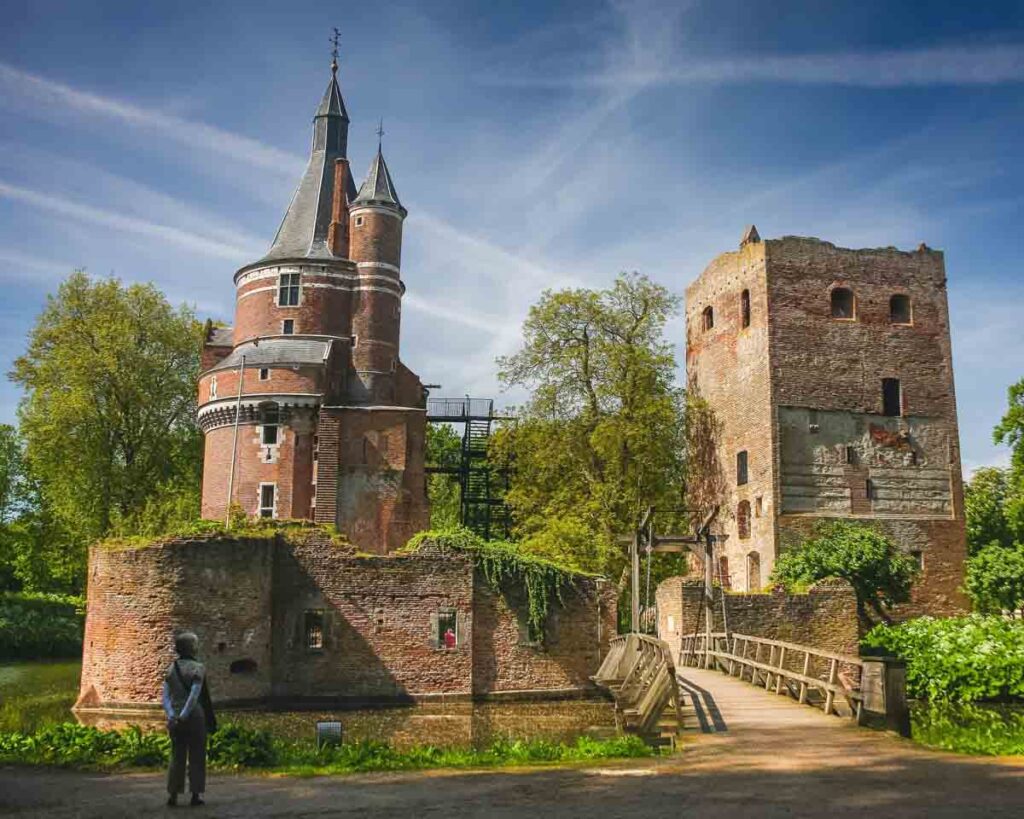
503	564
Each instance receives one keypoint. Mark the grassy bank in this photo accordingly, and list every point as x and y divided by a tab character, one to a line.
992	730
236	748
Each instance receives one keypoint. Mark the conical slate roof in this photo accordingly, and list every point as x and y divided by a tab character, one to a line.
379	188
303	231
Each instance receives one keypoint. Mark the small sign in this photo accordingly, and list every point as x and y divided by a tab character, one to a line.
328	733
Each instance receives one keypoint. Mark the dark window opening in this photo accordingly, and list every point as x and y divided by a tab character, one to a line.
723	572
221	647
288	327
899	309
743	519
745	308
708	318
918	557
741	468
851	455
842	303
288	290
270	417
268	492
244	666
313	628
892	397
447	629
869	489
264	374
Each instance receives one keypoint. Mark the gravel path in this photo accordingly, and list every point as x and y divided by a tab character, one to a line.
776	759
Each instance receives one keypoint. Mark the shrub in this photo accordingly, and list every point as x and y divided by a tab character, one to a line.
959	659
34	626
235	746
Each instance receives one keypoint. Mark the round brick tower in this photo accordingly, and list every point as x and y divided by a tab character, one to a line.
307	410
375	228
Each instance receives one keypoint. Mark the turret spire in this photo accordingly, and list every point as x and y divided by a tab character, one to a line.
379	189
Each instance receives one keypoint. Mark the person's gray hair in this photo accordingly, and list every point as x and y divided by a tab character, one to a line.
187	645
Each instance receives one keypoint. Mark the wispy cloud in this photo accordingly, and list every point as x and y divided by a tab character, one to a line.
942	65
129	224
48	94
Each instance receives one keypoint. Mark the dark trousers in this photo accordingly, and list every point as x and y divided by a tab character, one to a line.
188	741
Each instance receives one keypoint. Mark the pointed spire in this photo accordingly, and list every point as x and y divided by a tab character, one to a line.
379	189
750	236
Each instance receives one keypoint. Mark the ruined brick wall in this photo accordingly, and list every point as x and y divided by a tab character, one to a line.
817	442
576	638
248	601
728	363
138	599
824	618
380	614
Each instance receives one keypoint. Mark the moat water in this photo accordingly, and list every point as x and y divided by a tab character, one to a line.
33	695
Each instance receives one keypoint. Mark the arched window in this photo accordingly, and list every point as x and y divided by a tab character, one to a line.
753	572
745	308
843	304
707	318
899	309
743	519
723	572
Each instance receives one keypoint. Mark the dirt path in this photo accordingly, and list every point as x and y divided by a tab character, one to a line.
776	759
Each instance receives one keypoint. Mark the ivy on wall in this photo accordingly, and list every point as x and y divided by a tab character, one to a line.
542	582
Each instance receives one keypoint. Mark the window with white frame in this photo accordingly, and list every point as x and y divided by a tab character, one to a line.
270	418
288	327
264	374
288	290
268	500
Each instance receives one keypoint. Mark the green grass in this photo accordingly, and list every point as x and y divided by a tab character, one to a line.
236	748
991	730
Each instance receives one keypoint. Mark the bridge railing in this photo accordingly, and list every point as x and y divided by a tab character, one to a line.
639	673
809	675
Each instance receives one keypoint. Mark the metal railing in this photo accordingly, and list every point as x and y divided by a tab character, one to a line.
807	674
459	408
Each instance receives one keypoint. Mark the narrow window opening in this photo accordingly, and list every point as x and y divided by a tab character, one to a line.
851	455
268	500
745	308
447	629
213	387
723	572
313	627
288	290
743	519
741	467
264	374
758	506
918	557
359	221
892	397
842	303
288	327
270	417
869	489
899	309
708	318
753	572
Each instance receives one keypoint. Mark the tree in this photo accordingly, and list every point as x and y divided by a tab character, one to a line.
984	506
881	576
603	432
108	415
443	449
995	578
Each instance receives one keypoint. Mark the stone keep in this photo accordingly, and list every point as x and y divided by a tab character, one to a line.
331	424
831	373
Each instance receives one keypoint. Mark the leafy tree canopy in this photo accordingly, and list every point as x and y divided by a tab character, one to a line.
879	573
108	414
603	432
984	506
444	448
995	578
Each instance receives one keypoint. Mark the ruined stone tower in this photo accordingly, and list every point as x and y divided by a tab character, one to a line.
330	424
831	372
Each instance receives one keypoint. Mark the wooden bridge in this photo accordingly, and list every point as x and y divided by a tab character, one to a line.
718	680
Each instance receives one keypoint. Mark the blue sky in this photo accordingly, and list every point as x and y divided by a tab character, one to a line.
535	144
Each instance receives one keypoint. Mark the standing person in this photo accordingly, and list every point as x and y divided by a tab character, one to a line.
186	701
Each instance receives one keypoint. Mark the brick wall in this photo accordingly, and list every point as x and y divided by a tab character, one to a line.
824	618
248	600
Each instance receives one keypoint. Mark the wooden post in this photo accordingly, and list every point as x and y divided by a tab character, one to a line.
883	685
709	593
830	696
782	662
771	662
634	564
803	684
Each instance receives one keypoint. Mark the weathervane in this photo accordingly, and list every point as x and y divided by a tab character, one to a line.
380	133
334	49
